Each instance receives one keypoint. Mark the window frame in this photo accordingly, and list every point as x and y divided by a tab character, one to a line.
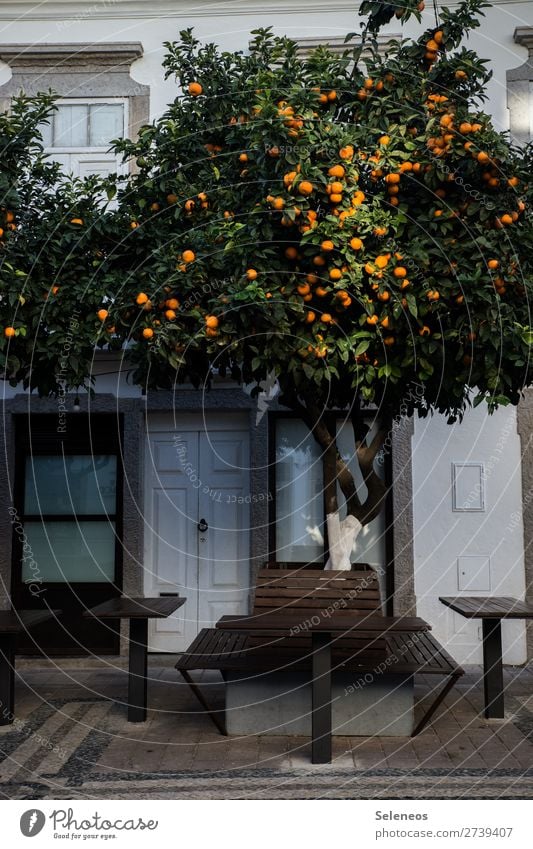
36	444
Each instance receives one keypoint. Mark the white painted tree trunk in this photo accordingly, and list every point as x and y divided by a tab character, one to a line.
341	537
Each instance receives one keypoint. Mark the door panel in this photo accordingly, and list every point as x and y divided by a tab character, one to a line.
171	537
224	547
193	475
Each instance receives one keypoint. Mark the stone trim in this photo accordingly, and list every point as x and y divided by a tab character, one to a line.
519	82
337	44
525	432
403	527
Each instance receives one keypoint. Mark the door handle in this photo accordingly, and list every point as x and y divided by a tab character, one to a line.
202	526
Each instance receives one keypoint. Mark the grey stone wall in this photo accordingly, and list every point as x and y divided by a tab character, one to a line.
403	528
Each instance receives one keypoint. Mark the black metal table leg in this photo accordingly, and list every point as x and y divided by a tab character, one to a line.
493	669
137	681
7	679
321	698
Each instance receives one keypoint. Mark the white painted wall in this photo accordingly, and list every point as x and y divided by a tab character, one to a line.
488	543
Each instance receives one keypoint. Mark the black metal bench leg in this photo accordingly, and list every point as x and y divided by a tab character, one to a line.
200	696
321	699
493	669
7	679
434	705
137	680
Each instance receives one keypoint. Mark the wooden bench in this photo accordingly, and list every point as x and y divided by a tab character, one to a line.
313	594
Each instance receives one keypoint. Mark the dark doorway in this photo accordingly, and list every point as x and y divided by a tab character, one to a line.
67	529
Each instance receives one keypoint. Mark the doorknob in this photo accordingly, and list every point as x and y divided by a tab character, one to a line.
202	525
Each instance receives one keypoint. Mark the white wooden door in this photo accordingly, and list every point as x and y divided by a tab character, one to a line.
197	472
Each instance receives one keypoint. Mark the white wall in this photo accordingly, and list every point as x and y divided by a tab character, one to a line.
487	544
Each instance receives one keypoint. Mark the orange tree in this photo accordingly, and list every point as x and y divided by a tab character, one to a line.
352	226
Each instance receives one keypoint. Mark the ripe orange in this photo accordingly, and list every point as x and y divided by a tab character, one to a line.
336	171
327	245
305	187
506	219
195	89
78	221
319	260
311	278
134	225
278	203
372	319
332	95
102	314
465	128
172	304
321	292
303	288
188	256
400	271
384	140
381	261
424	331
243	157
251	274
211	321
141	298
356	243
148	333
389	340
433	295
326	318
189	205
170	314
310	317
513	181
335	198
392	179
483	157
461	75
383	296
368	84
9	332
171	198
493	263
291	253
346	152
335	274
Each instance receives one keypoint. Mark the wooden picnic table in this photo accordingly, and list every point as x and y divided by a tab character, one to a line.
138	611
13	623
491	610
323	632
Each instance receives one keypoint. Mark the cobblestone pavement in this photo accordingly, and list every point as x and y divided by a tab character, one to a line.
71	740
